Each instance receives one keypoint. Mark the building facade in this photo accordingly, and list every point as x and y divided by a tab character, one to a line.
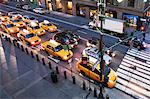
130	10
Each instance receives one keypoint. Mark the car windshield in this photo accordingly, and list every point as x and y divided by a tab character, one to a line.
30	35
106	70
32	18
36	27
16	20
93	52
9	25
58	48
48	24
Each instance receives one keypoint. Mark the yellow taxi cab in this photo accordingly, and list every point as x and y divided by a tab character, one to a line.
29	38
57	50
36	29
4	18
10	28
109	76
46	25
18	22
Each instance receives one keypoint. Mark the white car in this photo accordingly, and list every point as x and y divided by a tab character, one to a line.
94	54
26	7
40	10
14	14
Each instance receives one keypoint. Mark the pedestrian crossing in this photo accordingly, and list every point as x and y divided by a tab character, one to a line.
134	74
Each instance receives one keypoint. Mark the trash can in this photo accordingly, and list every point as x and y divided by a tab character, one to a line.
54	77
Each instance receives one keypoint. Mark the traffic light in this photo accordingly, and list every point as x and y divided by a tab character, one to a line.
142	28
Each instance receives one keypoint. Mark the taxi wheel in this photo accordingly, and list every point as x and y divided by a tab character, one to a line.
83	73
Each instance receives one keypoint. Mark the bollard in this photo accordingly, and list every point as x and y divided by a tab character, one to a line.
27	50
14	42
22	48
54	77
32	54
95	92
37	57
57	71
65	75
84	86
107	96
17	45
9	39
100	95
73	80
49	64
6	38
43	61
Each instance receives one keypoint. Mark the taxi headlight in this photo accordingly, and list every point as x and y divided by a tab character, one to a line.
17	29
11	30
18	25
39	40
32	42
65	57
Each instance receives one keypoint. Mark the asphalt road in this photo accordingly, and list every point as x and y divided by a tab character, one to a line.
80	30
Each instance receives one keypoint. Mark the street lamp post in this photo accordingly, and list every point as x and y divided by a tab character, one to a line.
101	17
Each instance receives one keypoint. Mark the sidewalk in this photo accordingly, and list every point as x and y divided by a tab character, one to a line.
22	77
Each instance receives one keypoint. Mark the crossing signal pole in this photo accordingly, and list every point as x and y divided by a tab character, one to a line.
100	18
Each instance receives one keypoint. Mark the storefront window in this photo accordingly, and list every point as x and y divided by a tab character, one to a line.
58	4
69	5
92	13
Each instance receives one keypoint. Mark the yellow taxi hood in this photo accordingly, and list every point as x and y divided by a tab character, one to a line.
112	75
33	39
52	26
63	53
39	30
13	29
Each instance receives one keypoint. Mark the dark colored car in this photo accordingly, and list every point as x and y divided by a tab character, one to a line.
67	38
20	4
137	43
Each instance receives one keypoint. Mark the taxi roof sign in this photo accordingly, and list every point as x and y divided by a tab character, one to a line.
25	31
46	22
33	24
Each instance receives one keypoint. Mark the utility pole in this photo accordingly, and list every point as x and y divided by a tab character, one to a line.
101	12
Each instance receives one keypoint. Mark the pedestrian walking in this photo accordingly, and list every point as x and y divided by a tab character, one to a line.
131	44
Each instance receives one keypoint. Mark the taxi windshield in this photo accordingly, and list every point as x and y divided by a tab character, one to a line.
32	18
16	20
48	24
9	25
58	48
106	71
36	27
30	35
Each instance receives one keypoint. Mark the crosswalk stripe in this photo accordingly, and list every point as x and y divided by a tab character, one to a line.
137	68
137	55
140	54
143	52
136	63
138	90
133	75
133	93
135	81
140	74
132	59
126	77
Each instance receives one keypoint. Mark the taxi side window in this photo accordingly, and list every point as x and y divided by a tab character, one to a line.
49	47
22	35
96	71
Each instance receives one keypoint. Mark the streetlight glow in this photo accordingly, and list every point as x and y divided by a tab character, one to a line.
119	1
